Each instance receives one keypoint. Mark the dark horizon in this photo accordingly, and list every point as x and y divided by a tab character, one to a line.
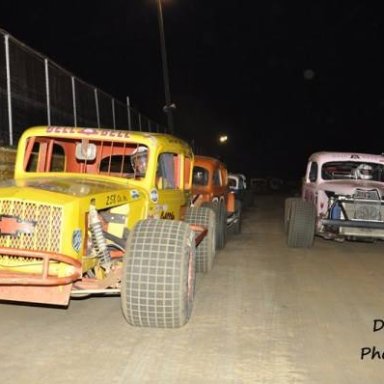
281	80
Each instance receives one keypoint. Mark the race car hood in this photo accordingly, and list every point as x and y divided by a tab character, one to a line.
348	187
66	189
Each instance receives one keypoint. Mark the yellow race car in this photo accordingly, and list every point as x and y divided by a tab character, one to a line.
101	211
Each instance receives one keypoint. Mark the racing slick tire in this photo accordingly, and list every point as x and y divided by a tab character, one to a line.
158	277
301	224
287	208
238	213
221	224
206	250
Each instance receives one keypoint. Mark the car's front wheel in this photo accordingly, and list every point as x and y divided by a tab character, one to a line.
301	224
158	280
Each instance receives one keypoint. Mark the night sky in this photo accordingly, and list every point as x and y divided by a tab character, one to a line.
282	78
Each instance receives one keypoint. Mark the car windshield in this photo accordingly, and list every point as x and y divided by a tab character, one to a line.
339	170
56	154
232	182
200	176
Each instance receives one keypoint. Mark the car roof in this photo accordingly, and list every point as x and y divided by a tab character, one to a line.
208	162
324	156
150	139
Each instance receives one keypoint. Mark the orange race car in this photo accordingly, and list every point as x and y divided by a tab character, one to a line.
210	188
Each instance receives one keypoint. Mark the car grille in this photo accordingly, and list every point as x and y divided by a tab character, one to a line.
46	235
361	194
367	211
366	205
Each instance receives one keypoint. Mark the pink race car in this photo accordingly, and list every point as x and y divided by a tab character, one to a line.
341	199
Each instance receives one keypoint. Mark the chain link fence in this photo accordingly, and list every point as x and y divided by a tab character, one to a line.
36	91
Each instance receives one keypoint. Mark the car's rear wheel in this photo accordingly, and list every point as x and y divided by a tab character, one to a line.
238	213
220	232
206	250
221	222
301	224
158	280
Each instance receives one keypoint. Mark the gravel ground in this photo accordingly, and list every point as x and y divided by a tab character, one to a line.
264	314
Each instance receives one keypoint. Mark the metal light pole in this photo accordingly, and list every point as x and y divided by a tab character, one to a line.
169	106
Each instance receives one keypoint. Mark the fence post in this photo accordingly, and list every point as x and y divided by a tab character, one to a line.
129	114
47	91
97	108
113	113
74	101
9	95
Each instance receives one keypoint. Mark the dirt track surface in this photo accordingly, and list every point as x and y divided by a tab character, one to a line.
264	314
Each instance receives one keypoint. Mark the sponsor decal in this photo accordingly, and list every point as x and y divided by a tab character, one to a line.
167	215
135	194
115	199
76	239
62	130
14	226
113	133
88	131
154	194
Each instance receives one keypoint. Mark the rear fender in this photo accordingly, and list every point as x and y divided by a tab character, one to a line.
231	202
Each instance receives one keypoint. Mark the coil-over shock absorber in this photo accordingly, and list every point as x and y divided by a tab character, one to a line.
98	239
